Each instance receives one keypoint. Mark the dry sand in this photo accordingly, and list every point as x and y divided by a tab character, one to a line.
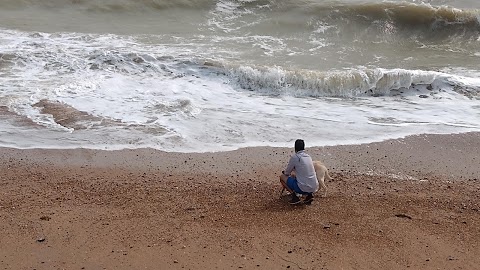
412	203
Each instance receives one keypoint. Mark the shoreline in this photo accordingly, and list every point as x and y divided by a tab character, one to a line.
424	154
406	203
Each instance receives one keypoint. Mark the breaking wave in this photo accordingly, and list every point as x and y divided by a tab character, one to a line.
407	14
405	18
349	83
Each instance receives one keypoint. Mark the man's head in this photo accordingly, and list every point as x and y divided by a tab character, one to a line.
299	145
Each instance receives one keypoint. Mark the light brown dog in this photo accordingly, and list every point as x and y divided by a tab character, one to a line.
322	174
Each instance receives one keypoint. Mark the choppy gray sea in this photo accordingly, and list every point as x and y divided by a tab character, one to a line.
215	75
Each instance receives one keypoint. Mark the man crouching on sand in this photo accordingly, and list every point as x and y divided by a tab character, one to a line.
305	180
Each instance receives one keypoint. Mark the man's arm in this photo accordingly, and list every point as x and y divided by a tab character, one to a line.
290	167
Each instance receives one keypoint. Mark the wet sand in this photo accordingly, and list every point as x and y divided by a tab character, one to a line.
412	203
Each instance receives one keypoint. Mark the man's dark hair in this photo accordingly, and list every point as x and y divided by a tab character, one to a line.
299	145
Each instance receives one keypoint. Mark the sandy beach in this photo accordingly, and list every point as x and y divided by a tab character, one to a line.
412	203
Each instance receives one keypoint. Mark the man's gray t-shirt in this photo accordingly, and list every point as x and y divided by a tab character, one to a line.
302	163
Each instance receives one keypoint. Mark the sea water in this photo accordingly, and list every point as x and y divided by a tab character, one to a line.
216	75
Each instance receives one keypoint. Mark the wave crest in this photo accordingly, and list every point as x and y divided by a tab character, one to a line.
408	13
350	83
422	21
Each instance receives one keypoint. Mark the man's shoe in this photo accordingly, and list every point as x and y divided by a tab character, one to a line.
295	199
309	199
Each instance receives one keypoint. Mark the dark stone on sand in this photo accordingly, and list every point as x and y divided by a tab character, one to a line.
429	87
423	96
403	216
